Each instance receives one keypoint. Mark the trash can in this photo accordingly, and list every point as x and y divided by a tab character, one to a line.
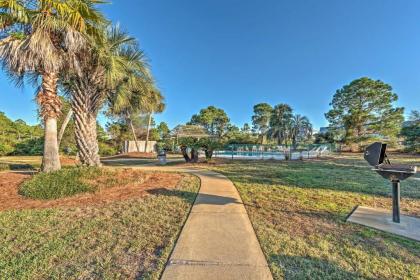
162	157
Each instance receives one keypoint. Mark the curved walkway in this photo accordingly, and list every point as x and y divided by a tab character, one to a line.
217	241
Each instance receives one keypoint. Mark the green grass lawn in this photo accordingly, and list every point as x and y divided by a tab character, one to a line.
128	239
298	210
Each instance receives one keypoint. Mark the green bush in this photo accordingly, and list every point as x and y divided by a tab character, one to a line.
62	183
106	149
30	147
5	149
68	149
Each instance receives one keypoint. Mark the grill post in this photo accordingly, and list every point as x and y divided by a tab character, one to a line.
396	201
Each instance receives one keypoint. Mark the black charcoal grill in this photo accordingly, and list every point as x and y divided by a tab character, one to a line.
375	154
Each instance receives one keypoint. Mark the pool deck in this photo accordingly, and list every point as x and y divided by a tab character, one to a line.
382	219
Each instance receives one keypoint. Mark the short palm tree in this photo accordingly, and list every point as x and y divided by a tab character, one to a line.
136	103
111	69
138	95
42	37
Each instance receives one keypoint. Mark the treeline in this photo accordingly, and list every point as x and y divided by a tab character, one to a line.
17	137
211	129
361	112
270	125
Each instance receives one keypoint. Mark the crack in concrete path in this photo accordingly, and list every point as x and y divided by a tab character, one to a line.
209	263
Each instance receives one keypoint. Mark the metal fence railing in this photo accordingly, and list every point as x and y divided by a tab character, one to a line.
278	152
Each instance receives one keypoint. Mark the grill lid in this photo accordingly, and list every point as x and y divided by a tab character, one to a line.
375	153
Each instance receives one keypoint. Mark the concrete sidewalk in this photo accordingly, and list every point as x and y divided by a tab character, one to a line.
217	241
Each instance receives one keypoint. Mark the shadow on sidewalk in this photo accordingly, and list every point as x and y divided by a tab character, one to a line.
208	199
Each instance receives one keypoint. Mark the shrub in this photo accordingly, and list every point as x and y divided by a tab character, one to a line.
68	149
30	147
106	149
62	183
5	149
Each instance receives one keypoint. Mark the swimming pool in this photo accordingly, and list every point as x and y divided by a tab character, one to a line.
294	155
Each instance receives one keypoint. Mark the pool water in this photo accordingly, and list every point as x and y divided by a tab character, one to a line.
266	155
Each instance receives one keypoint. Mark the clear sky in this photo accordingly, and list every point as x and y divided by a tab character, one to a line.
236	53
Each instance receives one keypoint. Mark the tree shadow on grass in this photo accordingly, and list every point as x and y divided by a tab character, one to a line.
18	166
128	163
300	267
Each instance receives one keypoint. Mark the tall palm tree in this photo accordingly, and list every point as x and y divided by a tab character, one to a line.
110	69
300	128
280	123
42	37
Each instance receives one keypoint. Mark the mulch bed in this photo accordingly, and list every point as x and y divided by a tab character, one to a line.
127	184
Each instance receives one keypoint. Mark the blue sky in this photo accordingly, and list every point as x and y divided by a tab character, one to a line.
236	53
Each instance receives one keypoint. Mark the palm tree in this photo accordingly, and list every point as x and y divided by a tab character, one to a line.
153	104
111	69
42	37
137	103
300	129
138	97
128	113
280	123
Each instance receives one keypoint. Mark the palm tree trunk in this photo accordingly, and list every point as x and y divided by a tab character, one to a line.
134	133
85	126
86	139
185	154
50	109
147	133
209	153
63	126
194	155
50	158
